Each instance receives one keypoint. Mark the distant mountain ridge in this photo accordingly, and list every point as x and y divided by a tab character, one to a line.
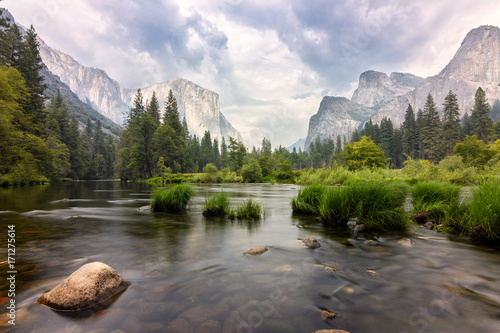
475	64
200	106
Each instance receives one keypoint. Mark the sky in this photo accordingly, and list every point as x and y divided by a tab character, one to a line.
270	61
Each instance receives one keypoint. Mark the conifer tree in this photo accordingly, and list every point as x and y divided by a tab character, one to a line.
185	130
223	153
386	134
171	116
451	123
153	109
409	135
419	124
467	128
481	121
137	107
430	131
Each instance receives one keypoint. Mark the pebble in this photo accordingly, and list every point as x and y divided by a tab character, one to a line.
311	243
405	242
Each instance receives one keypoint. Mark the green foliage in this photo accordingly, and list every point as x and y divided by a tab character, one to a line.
482	125
473	151
308	199
451	123
364	153
236	154
250	210
483	219
251	172
432	200
216	205
211	174
430	129
172	200
410	135
338	205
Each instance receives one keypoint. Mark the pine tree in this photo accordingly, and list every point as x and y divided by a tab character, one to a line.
171	116
451	123
153	109
206	149
223	153
58	118
467	128
30	65
430	131
185	130
216	153
137	107
386	134
481	121
397	148
419	124
409	134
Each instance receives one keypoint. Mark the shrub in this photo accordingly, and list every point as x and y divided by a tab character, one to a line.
308	199
251	172
216	205
172	200
248	210
211	174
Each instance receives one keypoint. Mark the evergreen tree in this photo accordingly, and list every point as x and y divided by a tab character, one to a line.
171	116
355	137
223	153
75	153
338	150
419	124
30	65
481	121
386	134
409	134
58	118
397	148
430	131
451	123
185	130
137	107
467	128
206	149
236	154
153	109
216	153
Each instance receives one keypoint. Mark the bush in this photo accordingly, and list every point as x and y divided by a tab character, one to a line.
211	174
432	200
308	199
251	172
216	205
483	220
248	210
172	200
338	205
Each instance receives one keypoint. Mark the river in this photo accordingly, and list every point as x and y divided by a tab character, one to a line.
189	273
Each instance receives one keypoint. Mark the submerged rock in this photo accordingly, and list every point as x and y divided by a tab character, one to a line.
256	251
429	225
405	242
311	243
359	228
144	208
86	289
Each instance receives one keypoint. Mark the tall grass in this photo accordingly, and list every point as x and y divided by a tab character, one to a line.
483	218
216	205
308	199
172	200
376	203
338	205
434	200
249	209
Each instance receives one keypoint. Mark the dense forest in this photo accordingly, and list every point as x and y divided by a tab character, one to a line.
39	140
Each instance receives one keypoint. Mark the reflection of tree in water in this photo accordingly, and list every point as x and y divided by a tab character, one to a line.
251	225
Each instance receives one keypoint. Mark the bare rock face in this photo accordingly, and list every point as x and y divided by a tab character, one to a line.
476	64
93	86
376	88
336	116
86	289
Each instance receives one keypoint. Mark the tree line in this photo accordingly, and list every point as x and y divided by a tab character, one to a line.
38	142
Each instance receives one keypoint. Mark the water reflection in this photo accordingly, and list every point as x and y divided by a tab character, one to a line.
188	271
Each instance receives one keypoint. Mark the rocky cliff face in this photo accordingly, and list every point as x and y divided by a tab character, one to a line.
200	106
476	64
337	116
376	89
93	86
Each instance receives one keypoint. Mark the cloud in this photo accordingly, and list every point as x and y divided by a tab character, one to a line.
271	61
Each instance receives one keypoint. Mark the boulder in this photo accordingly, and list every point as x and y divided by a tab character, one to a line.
87	289
311	243
429	225
359	228
256	250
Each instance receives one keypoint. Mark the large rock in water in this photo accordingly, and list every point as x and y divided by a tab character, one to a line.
86	289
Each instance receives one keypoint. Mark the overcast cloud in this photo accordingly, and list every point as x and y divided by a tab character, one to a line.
271	61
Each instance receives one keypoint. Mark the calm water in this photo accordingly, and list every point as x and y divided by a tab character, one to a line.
189	273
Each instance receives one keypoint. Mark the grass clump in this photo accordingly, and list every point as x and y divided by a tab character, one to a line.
338	205
172	200
380	205
308	199
249	209
483	218
216	205
434	200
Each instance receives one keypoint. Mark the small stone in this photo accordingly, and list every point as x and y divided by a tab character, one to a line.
405	242
327	315
311	243
359	228
210	326
256	251
144	208
429	225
